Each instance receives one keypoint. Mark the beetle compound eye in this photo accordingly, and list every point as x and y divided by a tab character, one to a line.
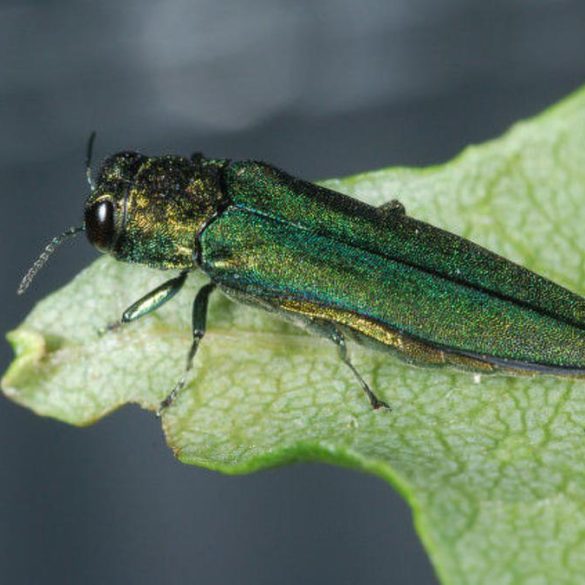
100	225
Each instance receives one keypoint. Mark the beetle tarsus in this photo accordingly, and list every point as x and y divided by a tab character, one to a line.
109	328
392	208
377	404
170	398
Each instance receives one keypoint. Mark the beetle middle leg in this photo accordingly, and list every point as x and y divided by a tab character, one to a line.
200	306
337	337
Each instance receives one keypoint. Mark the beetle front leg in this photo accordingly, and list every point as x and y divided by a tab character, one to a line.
199	320
151	301
154	299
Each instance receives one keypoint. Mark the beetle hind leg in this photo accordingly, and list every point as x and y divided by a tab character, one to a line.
337	337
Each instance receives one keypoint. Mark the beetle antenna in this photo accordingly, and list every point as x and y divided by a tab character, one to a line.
88	157
46	254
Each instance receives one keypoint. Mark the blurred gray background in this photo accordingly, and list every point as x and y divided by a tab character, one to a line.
320	88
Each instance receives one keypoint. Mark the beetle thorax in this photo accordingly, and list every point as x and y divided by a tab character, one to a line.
158	205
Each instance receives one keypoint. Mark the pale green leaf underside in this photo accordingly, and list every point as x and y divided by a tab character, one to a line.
493	468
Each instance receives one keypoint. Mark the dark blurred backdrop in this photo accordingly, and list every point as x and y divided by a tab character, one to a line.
320	88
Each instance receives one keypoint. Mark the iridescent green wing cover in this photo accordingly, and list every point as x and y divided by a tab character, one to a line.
310	250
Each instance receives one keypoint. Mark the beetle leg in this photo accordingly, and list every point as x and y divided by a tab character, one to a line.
200	306
154	299
392	208
337	337
150	302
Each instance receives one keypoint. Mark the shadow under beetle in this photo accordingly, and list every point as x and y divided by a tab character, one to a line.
329	262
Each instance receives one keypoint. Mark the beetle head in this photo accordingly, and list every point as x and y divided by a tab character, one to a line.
148	210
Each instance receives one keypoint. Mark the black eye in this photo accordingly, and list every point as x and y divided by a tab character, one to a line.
99	225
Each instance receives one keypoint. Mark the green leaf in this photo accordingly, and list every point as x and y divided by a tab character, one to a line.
493	467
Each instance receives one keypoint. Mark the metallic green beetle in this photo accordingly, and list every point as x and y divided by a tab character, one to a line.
336	265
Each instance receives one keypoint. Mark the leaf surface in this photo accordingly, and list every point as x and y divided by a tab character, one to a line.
493	467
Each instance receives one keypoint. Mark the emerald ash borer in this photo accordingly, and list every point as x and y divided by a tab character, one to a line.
338	266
